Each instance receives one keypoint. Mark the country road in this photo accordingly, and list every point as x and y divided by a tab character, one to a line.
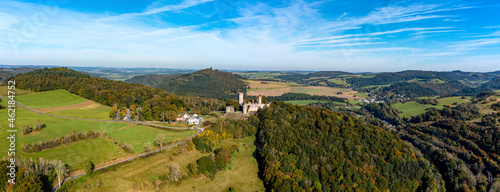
126	160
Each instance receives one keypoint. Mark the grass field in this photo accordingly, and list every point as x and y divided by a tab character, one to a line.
4	89
174	124
259	75
306	102
138	135
414	108
241	174
55	127
48	99
98	150
339	81
96	111
303	102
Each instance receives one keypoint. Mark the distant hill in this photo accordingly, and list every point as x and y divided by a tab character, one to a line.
6	73
151	80
154	102
204	83
493	84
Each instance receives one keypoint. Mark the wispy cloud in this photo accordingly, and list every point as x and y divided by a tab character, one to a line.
406	30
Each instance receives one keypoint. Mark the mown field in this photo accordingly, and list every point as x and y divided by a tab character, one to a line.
279	88
306	102
48	99
240	174
414	108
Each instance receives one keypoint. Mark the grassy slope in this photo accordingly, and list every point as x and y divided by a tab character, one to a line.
242	173
55	127
100	112
414	108
138	135
98	150
48	99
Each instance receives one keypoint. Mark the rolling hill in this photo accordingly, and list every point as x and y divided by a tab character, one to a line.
204	83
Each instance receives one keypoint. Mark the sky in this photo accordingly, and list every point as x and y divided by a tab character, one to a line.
345	35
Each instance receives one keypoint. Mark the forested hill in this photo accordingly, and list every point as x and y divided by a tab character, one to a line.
204	83
314	149
468	78
108	92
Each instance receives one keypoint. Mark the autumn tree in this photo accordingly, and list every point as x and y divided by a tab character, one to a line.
147	147
112	113
159	140
88	166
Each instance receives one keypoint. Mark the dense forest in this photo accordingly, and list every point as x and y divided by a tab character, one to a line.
315	149
465	153
154	102
398	77
206	83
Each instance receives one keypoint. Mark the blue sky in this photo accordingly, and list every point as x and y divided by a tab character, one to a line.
346	35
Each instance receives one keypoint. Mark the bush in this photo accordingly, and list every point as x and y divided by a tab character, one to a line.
206	166
26	129
88	167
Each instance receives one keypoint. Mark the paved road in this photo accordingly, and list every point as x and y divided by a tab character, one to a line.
200	129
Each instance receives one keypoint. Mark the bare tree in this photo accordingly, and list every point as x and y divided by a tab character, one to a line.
61	169
159	140
147	146
175	173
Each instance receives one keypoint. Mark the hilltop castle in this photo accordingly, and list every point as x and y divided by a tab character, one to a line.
248	107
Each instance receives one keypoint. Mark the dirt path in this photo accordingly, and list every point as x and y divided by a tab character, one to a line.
86	104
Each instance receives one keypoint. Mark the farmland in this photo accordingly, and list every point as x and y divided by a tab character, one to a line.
279	88
414	108
98	150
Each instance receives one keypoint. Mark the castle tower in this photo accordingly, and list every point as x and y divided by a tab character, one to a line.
259	99
240	98
245	109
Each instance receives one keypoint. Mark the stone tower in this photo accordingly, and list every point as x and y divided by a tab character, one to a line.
259	99
240	98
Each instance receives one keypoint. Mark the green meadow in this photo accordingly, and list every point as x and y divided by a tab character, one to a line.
241	173
138	135
48	99
98	150
99	112
414	108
